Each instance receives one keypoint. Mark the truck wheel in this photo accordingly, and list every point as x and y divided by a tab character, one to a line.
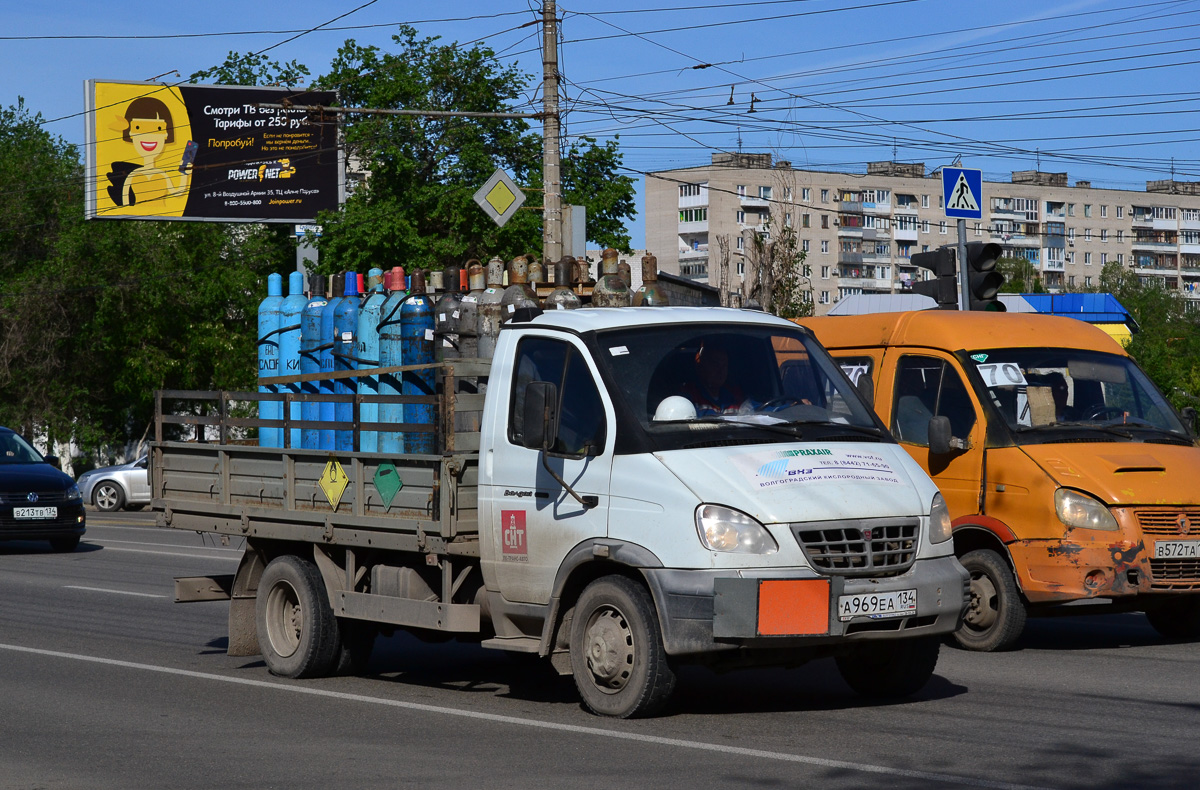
1176	618
995	614
108	496
297	631
890	669
617	653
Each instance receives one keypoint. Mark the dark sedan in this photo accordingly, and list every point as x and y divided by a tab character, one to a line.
37	501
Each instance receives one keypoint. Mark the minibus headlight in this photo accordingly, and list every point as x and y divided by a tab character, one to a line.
939	520
725	529
1076	509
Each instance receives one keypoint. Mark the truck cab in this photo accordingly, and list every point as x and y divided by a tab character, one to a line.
1069	478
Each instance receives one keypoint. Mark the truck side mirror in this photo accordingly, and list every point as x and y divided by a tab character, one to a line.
540	427
866	388
53	461
1189	416
940	438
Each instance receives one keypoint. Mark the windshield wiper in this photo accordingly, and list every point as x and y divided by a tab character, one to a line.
1076	426
782	428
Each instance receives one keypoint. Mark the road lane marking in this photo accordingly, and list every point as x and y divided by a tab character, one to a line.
115	592
957	781
106	541
171	554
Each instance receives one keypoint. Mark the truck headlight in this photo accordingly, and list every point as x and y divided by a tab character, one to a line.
1076	509
725	529
74	494
939	520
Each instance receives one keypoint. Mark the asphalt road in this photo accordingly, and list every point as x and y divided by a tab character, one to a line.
106	683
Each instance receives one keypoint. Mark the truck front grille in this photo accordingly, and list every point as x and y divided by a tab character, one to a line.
866	547
1179	522
1174	521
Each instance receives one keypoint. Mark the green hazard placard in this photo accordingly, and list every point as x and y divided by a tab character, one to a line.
388	483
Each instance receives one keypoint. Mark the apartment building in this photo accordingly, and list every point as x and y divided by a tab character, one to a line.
860	231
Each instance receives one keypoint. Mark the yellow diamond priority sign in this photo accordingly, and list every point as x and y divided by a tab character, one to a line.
500	198
334	481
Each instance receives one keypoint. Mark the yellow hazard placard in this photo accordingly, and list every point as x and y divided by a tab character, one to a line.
334	481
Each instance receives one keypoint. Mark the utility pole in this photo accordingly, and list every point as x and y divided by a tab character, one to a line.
551	177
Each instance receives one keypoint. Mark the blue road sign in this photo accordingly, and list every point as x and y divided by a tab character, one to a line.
962	192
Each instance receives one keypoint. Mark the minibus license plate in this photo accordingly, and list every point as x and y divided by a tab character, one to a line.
900	603
1176	549
35	512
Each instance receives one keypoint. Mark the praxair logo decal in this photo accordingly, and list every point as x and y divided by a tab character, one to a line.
815	465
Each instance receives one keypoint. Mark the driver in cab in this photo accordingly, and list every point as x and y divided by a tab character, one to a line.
709	390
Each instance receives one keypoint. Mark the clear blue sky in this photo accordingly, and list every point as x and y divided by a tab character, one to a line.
1102	89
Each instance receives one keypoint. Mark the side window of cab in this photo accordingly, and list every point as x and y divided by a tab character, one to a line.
928	387
581	423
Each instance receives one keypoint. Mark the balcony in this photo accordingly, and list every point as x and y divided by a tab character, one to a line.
694	271
699	253
867	284
904	234
850	206
854	231
1151	244
1053	266
883	209
850	258
751	201
693	227
1016	240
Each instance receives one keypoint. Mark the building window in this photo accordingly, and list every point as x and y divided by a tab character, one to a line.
764	193
693	214
1120	259
804	245
1120	235
1103	258
741	190
805	220
1104	211
825	246
787	220
689	190
824	195
1070	257
1087	259
924	226
825	221
787	194
806	194
741	217
1070	209
824	297
1104	235
978	228
1087	282
942	227
1164	212
1071	280
1087	234
1120	212
741	267
1087	209
940	201
1070	234
741	242
924	201
824	272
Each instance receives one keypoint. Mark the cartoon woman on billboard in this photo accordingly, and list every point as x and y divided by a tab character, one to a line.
148	129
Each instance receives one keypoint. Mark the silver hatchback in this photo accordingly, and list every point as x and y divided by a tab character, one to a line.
115	487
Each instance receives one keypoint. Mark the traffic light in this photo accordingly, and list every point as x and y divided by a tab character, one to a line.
943	287
983	280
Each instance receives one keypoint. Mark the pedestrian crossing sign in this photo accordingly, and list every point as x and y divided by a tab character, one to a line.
962	192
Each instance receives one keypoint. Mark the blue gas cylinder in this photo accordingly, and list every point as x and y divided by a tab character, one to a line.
345	350
391	354
310	357
368	356
416	329
328	412
268	360
289	346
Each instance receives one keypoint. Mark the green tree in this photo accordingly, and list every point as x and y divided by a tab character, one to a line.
415	206
1020	276
252	69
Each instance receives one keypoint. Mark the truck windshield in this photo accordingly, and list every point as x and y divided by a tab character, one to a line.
15	450
682	379
1048	394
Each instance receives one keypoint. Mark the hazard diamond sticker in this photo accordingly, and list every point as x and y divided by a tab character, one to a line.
334	481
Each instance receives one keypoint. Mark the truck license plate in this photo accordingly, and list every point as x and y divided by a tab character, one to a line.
900	603
1176	549
35	512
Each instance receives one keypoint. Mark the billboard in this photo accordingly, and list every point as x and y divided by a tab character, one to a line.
209	153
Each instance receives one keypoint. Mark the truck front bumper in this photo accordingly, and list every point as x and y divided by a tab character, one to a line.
708	611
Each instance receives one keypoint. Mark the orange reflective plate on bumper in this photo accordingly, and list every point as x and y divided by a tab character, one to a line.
793	607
